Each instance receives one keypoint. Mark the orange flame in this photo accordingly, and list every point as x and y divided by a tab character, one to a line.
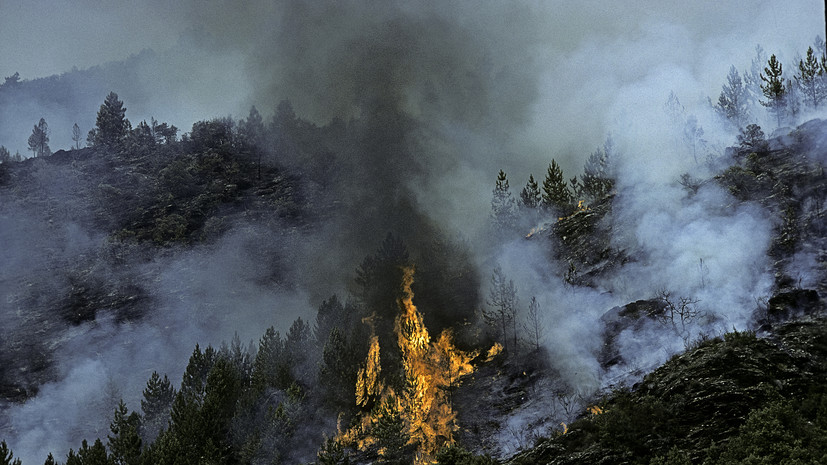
432	370
367	379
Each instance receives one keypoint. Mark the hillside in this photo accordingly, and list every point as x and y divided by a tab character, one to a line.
135	260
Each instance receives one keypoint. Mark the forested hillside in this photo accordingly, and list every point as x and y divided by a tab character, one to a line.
364	278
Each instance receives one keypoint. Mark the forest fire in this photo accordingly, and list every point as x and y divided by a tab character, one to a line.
581	207
432	369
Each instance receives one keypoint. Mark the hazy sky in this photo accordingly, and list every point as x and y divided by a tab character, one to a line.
43	37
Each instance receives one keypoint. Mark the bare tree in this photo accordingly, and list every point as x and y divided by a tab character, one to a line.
533	325
679	311
76	135
502	302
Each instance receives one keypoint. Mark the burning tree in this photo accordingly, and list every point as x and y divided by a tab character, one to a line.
421	411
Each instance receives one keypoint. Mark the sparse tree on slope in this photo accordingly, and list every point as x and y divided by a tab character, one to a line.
76	135
597	180
530	196
556	194
502	302
503	206
733	101
39	140
810	78
111	125
774	89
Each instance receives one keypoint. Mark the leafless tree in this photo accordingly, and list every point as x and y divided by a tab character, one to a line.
533	324
502	311
678	311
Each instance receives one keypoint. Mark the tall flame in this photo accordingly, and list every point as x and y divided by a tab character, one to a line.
367	379
432	370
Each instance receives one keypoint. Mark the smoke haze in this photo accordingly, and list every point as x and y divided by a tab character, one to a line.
445	94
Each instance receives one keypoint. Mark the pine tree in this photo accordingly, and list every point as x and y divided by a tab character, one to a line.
111	124
751	139
733	102
125	442
597	180
6	455
810	78
752	77
91	455
156	404
530	196
556	194
774	89
39	140
503	206
76	135
252	132
268	366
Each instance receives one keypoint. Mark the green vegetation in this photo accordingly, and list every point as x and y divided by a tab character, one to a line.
735	399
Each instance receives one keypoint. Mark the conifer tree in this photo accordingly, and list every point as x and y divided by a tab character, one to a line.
810	78
6	455
531	196
39	139
156	404
76	135
774	89
125	442
268	366
111	125
733	102
556	194
503	206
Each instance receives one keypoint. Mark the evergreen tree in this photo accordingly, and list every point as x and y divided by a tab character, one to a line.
810	79
556	194
252	132
125	442
39	140
503	206
111	125
751	139
299	350
774	89
221	395
331	315
269	367
338	368
156	404
94	455
6	455
50	460
752	77
733	102
531	196
5	155
76	135
597	180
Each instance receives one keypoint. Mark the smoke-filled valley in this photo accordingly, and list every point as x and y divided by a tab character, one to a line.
375	232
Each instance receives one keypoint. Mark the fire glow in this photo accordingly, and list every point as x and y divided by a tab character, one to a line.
432	369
